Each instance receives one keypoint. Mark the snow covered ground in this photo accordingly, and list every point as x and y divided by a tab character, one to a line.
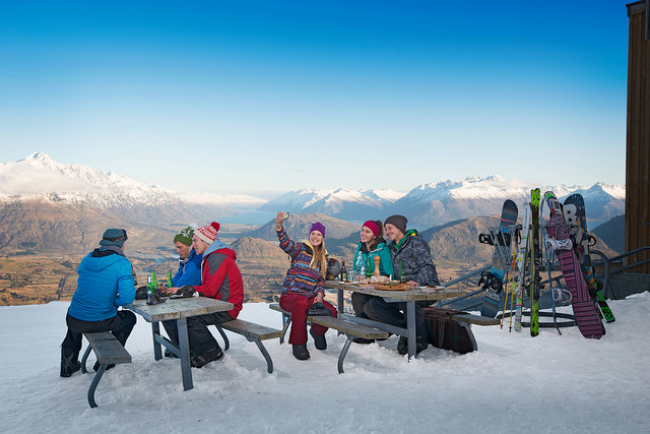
513	383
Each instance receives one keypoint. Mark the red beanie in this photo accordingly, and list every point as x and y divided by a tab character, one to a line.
372	226
208	233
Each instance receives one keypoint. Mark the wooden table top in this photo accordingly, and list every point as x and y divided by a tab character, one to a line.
178	308
414	294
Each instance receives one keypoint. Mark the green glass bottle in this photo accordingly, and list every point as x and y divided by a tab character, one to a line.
154	282
402	273
170	284
368	268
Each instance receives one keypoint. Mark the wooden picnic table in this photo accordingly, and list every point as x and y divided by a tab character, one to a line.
178	309
410	296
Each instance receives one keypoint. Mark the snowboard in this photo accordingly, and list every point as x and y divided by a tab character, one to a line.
584	309
576	220
493	279
534	284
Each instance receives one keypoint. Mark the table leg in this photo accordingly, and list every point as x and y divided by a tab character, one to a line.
410	326
184	344
155	331
340	301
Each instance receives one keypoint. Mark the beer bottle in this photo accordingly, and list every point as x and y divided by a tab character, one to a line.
402	273
170	284
368	268
344	272
154	283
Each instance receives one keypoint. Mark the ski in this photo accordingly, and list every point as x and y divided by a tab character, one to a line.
576	220
520	265
493	279
584	308
535	261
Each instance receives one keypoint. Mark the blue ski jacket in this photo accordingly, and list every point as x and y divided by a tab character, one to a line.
105	282
189	271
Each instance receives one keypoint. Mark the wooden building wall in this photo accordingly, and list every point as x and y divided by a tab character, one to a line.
637	195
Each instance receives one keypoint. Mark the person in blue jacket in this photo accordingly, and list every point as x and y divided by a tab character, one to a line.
105	282
189	273
189	267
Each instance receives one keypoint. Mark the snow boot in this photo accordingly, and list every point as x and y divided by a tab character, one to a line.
319	340
69	366
300	352
212	355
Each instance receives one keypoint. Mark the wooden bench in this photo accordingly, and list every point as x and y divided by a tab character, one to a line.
349	328
475	319
253	333
108	350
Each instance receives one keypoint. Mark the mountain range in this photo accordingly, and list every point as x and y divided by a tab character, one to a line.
55	205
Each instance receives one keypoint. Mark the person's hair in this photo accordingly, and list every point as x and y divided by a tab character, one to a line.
320	258
381	229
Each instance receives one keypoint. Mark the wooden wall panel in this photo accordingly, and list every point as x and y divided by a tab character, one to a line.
637	179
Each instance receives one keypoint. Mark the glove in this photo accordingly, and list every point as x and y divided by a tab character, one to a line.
186	291
141	293
319	309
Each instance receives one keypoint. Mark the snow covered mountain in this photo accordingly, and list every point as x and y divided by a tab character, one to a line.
433	204
38	178
38	193
344	203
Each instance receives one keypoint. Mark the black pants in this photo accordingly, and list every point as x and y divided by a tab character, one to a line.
377	309
201	340
120	325
359	301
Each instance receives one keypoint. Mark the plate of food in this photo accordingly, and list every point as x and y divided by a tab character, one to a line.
393	286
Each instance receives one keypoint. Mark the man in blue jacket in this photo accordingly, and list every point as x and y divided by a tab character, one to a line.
105	282
189	267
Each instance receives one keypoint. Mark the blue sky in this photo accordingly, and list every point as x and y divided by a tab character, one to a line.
271	96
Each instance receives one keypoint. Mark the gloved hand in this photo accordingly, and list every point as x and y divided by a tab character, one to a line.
141	293
186	291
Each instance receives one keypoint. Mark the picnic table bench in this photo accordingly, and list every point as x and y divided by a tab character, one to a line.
109	351
253	333
349	328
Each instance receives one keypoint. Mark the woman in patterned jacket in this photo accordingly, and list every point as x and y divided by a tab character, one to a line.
303	285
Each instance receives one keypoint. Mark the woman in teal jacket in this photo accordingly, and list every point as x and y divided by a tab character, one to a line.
372	244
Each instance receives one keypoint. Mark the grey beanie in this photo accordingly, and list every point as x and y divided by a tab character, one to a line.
114	237
399	221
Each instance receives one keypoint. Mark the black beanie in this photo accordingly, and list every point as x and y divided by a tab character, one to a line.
399	221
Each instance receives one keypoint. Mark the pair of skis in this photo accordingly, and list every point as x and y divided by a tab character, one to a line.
572	256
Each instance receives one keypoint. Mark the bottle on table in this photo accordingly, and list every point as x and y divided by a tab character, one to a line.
150	294
344	272
402	273
154	283
368	269
170	284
